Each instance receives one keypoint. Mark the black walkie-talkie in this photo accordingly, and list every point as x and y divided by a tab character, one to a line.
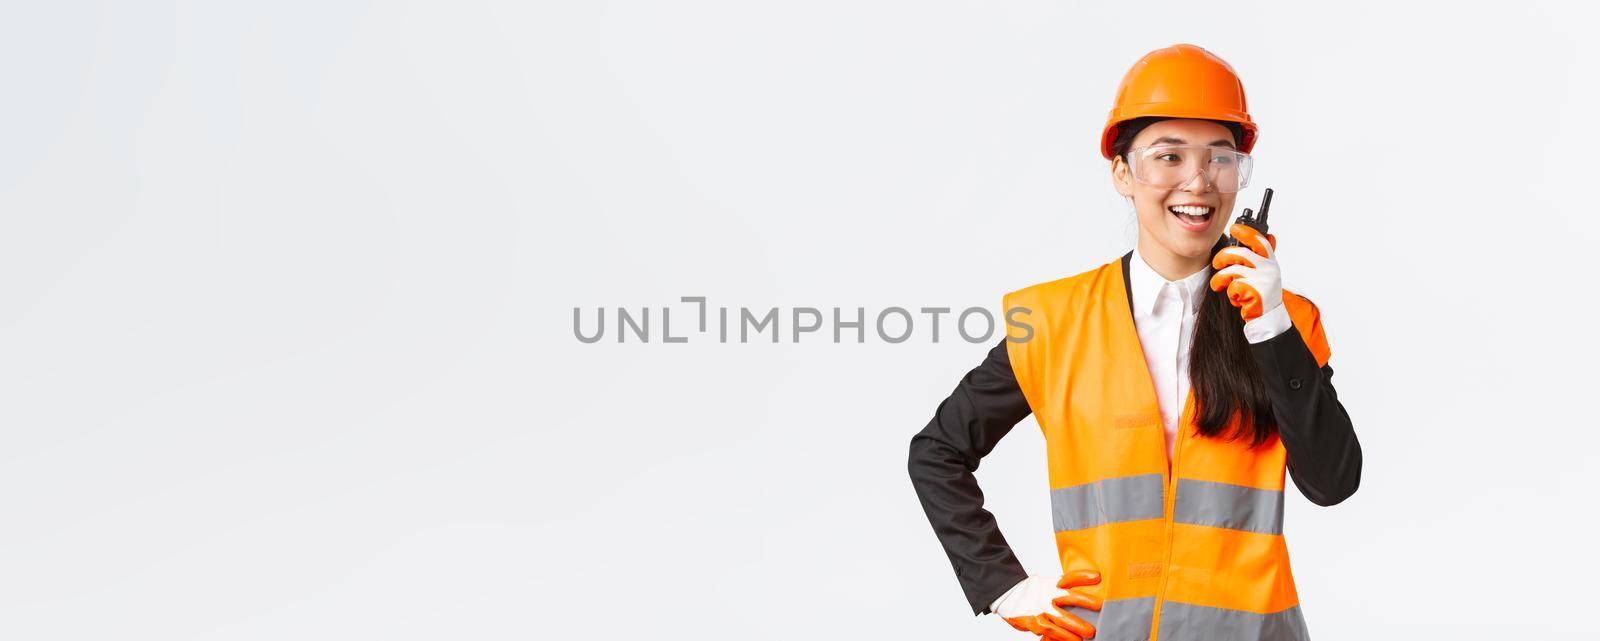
1258	222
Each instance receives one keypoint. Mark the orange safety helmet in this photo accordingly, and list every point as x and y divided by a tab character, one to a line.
1180	81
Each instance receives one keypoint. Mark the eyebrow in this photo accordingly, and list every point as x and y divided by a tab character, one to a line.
1220	142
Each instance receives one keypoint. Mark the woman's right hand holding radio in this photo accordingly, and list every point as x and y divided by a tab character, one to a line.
1249	272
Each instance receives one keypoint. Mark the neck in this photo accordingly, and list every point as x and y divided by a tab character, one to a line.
1170	266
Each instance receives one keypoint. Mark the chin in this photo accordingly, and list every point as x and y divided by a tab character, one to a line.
1190	248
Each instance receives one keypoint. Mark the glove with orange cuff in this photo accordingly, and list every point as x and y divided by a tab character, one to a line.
1039	605
1254	284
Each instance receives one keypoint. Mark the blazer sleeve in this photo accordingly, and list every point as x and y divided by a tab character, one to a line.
1324	457
968	424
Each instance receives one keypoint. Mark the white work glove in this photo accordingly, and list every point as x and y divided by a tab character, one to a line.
1255	284
1039	603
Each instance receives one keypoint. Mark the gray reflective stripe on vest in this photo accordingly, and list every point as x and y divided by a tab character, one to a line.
1120	619
1113	500
1186	622
1229	506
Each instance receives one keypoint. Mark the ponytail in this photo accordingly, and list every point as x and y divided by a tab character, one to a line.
1223	373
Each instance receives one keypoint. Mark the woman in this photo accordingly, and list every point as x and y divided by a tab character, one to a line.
1174	387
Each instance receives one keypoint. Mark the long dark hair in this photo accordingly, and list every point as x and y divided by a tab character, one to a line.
1222	372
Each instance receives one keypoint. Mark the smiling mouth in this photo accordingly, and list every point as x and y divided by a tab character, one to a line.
1192	216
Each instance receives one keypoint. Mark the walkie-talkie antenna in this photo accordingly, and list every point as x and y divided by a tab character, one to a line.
1266	201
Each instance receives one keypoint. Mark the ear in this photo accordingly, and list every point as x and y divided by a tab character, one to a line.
1120	176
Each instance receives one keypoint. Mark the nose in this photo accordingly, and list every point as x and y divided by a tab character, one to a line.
1205	184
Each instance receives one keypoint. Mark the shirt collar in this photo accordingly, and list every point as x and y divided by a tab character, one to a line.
1146	285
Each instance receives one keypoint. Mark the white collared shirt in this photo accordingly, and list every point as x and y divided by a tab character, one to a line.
1164	314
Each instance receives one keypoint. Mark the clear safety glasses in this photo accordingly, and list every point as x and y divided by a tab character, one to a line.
1174	166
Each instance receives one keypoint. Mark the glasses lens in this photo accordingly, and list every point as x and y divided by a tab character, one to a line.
1174	166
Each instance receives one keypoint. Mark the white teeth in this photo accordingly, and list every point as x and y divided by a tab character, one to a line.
1190	210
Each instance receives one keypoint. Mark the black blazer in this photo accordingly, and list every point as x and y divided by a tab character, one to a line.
1324	457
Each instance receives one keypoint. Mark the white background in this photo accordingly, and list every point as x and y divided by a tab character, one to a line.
286	298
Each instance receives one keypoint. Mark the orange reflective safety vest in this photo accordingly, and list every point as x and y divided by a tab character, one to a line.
1193	551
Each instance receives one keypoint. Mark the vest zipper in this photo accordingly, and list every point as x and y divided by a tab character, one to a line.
1167	511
